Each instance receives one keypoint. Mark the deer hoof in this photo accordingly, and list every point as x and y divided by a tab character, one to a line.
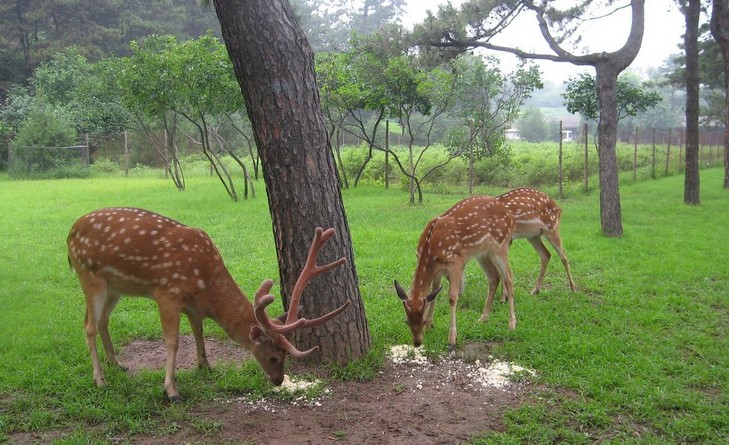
176	399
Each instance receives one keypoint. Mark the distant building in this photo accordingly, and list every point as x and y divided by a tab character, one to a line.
512	134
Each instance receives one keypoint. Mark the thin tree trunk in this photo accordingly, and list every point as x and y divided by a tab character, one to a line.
610	212
720	32
692	10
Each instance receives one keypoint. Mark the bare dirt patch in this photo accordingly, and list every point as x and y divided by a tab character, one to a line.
411	402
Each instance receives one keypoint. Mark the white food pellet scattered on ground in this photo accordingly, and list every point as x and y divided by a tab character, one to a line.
496	374
292	386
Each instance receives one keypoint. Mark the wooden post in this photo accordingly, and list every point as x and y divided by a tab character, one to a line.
680	147
387	154
559	174
653	161
635	155
87	156
126	154
668	151
587	169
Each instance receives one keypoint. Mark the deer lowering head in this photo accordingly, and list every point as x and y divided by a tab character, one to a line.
536	214
477	227
129	251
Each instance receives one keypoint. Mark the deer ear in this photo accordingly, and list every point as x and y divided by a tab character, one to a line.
256	335
282	318
431	296
407	306
401	292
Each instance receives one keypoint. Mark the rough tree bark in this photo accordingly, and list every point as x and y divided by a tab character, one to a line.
691	10
274	65
720	32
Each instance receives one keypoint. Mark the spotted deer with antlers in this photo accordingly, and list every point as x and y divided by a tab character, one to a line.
130	251
536	214
478	227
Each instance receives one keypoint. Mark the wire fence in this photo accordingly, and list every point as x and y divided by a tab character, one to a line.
645	152
30	161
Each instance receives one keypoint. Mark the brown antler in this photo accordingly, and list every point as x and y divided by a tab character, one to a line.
310	270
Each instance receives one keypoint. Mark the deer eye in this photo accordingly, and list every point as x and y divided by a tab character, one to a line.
274	360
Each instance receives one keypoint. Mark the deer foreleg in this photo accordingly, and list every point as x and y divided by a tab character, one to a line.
454	291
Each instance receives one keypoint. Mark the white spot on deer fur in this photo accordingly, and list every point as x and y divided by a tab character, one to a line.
201	284
127	240
142	232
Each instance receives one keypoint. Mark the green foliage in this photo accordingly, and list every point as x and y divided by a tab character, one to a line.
581	97
40	148
46	128
532	126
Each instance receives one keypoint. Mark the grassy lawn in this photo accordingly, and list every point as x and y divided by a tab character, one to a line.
638	355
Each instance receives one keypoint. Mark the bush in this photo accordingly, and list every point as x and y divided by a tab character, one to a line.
39	149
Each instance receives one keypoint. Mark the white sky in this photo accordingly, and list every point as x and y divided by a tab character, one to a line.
664	25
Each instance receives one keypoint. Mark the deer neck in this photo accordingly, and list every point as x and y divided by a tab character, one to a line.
232	311
424	277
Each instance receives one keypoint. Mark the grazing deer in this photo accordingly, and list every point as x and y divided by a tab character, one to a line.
478	227
536	214
131	251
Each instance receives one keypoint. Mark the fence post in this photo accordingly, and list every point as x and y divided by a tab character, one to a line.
680	146
126	154
86	151
653	162
635	155
587	170
668	151
387	152
559	174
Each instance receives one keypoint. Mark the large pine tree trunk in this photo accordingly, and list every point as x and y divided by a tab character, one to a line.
606	77
691	179
720	32
274	65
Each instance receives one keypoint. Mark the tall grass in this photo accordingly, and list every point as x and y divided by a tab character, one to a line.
637	355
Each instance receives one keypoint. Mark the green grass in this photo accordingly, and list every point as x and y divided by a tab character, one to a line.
638	355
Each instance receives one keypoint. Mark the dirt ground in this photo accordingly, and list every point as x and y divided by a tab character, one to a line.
412	402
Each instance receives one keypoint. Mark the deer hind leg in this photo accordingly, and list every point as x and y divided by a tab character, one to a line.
556	242
492	274
103	326
196	324
96	292
170	319
501	262
544	256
